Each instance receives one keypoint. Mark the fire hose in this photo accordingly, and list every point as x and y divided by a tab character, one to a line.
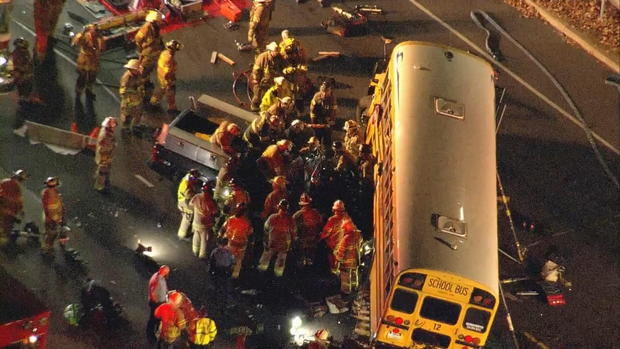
236	77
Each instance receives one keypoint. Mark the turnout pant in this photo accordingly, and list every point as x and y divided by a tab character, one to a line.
186	221
102	177
265	259
239	252
200	241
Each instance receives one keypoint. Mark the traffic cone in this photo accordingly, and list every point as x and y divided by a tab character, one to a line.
74	127
92	139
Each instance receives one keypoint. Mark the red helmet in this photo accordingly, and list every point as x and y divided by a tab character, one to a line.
285	144
164	270
279	182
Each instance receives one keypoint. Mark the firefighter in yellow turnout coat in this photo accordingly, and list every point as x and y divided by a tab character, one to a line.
103	154
258	30
166	75
91	45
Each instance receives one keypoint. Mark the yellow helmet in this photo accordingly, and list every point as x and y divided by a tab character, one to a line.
153	15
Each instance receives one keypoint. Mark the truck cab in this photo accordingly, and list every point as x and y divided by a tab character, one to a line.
24	319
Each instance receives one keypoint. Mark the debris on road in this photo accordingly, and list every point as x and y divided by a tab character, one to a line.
336	304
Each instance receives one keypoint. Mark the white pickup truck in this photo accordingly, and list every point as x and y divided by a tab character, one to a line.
184	143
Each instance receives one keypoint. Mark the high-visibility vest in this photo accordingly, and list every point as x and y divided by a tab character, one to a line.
205	331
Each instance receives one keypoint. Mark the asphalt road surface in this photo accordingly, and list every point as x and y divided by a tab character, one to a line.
546	163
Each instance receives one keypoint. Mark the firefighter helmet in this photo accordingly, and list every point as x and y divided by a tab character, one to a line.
272	46
91	26
132	64
20	42
206	187
279	80
174	45
283	205
279	182
109	122
286	102
153	15
52	182
313	141
285	144
350	125
175	298
194	173
305	199
164	270
20	175
338	205
233	128
285	34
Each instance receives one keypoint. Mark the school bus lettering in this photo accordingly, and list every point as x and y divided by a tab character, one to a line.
448	286
440	284
462	290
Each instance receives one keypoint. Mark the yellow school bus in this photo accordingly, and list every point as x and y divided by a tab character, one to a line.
431	125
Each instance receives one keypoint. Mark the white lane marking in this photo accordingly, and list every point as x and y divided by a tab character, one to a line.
68	59
513	75
144	180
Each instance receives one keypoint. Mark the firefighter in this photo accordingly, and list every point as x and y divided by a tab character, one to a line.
346	255
185	192
132	94
284	108
204	212
103	154
309	223
280	231
11	203
312	149
23	69
275	159
258	29
352	137
225	136
263	131
172	322
291	49
222	181
280	89
299	134
272	200
158	290
149	44
53	215
323	113
237	229
46	13
366	163
334	230
237	196
267	66
201	331
343	161
91	44
166	75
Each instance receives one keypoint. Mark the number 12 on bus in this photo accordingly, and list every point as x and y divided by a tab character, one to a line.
431	126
